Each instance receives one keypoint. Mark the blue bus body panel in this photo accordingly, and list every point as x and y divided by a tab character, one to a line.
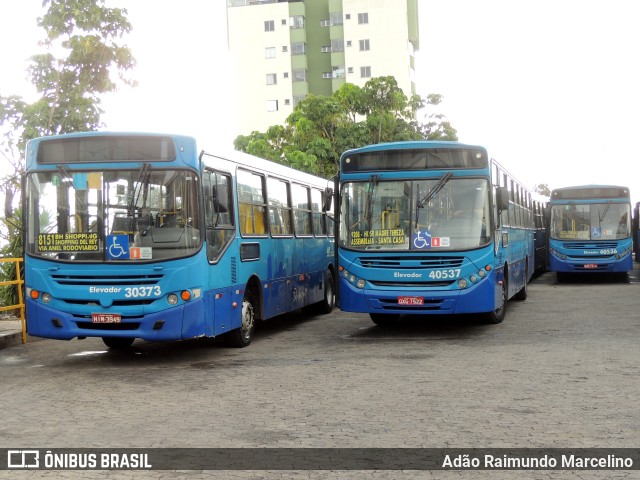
590	256
443	297
82	289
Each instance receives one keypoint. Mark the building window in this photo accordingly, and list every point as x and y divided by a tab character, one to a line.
270	52
338	71
298	99
363	18
337	45
285	48
350	70
285	75
347	16
297	21
300	75
287	101
335	18
272	79
284	21
269	26
298	48
365	72
348	43
272	105
364	45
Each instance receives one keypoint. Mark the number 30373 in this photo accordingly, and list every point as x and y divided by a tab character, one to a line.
135	292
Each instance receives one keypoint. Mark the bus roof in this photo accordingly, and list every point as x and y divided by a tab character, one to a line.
590	191
410	144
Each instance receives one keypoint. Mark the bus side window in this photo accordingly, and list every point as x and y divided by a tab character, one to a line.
252	205
218	219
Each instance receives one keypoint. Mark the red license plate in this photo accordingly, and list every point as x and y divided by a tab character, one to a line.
410	300
590	265
106	318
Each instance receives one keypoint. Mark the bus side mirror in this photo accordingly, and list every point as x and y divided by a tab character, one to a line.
328	197
502	198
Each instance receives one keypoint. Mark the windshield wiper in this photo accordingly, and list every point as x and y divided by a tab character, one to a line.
143	175
604	214
431	193
371	188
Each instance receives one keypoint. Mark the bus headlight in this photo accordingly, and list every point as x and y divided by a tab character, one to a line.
481	273
360	283
473	279
172	299
46	297
462	283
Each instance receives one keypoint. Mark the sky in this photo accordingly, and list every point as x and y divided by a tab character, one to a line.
550	87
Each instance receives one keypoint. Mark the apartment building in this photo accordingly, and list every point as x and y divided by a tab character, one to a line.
283	50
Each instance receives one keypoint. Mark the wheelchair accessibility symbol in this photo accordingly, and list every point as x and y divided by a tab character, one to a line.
421	240
118	247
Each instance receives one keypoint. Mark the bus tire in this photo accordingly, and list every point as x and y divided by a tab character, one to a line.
522	293
118	343
384	319
328	302
242	336
497	316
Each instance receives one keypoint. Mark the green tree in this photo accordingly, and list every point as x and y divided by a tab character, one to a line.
543	190
321	128
82	59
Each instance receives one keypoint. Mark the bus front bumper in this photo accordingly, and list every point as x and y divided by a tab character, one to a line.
477	298
177	323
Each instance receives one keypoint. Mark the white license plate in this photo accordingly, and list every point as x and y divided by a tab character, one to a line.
106	318
590	265
410	300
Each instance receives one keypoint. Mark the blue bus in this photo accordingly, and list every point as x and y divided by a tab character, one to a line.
431	227
132	235
636	231
590	230
540	213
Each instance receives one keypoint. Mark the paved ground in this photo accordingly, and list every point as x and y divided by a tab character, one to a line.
561	371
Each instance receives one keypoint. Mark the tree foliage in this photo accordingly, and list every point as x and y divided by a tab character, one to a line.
321	128
82	58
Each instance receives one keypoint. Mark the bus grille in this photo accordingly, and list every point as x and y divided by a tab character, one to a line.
587	245
411	262
108	280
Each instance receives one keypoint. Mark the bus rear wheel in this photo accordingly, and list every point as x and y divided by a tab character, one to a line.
497	316
324	306
523	292
118	343
241	337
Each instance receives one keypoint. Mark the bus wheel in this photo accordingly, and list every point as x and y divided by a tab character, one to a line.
497	316
118	343
522	293
326	305
241	337
384	319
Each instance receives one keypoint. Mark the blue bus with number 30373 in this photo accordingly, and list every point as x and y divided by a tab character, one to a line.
131	235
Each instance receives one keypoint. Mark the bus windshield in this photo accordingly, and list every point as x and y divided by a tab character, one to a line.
114	215
591	221
441	214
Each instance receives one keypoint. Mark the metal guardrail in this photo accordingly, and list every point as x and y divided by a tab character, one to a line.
19	306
